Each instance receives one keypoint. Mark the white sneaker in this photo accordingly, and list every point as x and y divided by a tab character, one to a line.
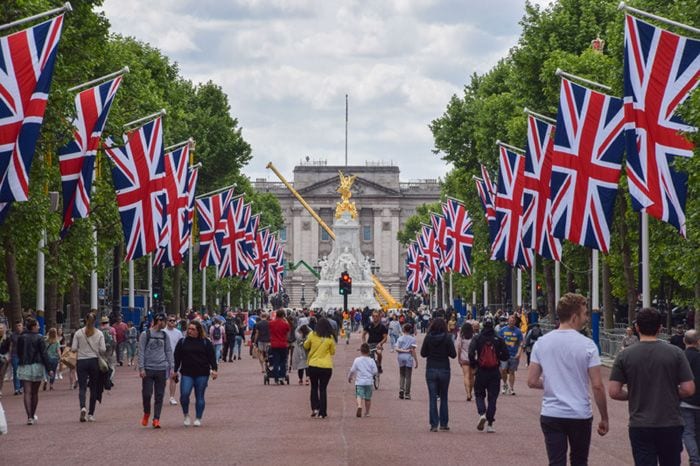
173	401
30	421
91	418
187	421
197	422
60	376
490	429
482	421
83	414
504	390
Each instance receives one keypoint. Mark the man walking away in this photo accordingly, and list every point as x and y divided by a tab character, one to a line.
486	351
513	337
231	333
262	339
174	335
155	362
657	376
121	329
563	362
690	407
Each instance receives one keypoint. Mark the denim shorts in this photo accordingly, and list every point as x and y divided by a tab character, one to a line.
511	364
363	391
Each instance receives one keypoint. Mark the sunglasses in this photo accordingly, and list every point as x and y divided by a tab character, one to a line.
171	320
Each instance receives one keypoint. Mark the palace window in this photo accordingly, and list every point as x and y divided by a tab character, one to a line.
324	235
366	233
283	234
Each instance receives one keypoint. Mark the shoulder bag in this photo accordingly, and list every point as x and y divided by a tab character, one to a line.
101	361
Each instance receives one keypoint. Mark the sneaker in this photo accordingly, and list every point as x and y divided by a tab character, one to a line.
407	397
187	421
144	419
83	414
198	423
30	421
512	392
490	429
359	412
482	421
504	390
400	395
433	429
91	418
156	423
379	369
173	401
444	428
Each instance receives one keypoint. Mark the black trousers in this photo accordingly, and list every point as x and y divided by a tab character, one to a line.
656	445
319	383
487	381
559	433
88	376
228	347
153	381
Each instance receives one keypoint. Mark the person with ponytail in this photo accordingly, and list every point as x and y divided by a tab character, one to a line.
88	343
33	364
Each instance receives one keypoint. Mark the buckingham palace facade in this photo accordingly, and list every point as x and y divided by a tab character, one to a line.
383	201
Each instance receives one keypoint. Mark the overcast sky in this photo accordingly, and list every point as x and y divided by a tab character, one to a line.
286	66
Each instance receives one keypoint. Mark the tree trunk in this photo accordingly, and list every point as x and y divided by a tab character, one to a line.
608	305
14	312
627	268
177	290
75	303
551	292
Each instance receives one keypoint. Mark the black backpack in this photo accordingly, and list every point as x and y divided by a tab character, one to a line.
231	327
216	334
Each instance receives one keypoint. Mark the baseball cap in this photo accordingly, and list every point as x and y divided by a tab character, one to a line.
104	320
488	322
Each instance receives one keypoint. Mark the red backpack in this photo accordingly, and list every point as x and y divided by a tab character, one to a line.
487	355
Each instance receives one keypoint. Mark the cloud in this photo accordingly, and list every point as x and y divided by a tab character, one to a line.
287	65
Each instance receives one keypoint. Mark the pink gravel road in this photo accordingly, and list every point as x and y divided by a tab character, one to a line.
248	423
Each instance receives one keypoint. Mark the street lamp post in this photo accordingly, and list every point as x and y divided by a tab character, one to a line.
303	298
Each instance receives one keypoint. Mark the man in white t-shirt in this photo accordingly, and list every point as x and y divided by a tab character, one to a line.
174	335
563	363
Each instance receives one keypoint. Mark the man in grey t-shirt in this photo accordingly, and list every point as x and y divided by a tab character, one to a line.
657	375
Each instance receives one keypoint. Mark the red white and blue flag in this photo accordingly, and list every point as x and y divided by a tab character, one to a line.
234	257
586	165
437	221
537	207
432	256
414	270
487	194
27	60
660	71
251	235
177	203
261	258
268	260
76	160
139	179
210	213
192	177
275	271
459	238
508	245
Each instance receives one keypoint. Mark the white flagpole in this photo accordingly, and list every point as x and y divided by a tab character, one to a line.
66	7
564	74
160	112
508	146
624	6
131	286
646	294
486	294
150	282
93	272
533	283
557	284
595	281
452	300
100	79
189	278
520	287
40	273
204	288
442	287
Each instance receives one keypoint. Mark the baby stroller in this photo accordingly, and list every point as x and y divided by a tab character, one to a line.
269	375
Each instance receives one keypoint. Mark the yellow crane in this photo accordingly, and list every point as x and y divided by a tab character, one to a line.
382	295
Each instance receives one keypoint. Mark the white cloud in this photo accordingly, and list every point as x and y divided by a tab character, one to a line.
287	65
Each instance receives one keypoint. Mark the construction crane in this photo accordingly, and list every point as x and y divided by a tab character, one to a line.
381	294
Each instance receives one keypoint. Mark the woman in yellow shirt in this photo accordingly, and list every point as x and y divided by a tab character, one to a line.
320	347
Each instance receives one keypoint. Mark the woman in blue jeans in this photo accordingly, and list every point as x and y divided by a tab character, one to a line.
438	348
195	360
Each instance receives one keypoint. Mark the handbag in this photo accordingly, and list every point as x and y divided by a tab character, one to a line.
69	358
101	361
3	421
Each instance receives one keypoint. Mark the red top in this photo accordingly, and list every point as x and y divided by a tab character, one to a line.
279	329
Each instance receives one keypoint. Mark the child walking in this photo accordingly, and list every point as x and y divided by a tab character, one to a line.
406	349
363	369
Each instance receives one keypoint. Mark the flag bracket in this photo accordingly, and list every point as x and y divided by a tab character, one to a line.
100	79
65	8
179	144
216	191
564	74
540	116
623	6
160	112
508	146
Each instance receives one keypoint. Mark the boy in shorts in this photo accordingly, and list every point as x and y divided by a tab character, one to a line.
363	369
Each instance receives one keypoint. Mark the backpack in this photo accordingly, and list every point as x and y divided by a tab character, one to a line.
216	334
487	355
231	327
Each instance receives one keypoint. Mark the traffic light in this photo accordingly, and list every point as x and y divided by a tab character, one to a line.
345	284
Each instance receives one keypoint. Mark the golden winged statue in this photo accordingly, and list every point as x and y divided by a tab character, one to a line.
345	194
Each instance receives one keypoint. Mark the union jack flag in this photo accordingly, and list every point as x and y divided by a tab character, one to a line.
586	165
438	224
414	270
429	249
508	245
210	212
76	160
251	234
177	203
660	71
275	270
487	194
234	259
537	207
459	238
139	178
261	258
192	176
27	60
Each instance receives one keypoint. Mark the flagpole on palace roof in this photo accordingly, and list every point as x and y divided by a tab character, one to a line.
66	7
100	79
160	112
540	116
623	6
564	74
508	146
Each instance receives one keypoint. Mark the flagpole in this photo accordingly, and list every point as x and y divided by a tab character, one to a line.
93	272
65	8
211	193
564	74
131	286
160	112
452	300
179	144
486	294
557	283
204	288
646	295
100	79
150	283
508	146
442	288
189	277
533	283
520	287
540	116
40	273
595	281
623	6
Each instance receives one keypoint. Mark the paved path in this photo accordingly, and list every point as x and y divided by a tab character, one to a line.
248	423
